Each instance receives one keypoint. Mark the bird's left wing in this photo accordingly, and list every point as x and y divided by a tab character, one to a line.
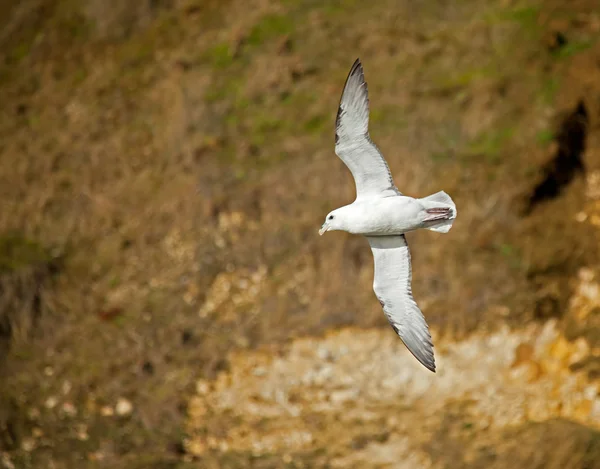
353	145
392	285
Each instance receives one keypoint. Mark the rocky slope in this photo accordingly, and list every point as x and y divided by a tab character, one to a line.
166	301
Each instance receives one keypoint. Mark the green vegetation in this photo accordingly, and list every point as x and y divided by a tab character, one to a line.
544	137
269	28
465	78
315	124
512	254
490	144
17	252
19	53
549	89
572	48
526	17
227	88
220	56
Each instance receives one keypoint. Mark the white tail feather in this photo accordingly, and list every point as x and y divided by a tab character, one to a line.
442	226
440	200
440	197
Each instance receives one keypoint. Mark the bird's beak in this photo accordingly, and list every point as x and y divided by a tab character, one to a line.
323	229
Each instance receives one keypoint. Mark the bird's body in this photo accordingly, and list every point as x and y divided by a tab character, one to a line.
383	214
393	215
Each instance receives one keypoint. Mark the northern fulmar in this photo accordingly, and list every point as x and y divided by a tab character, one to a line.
383	214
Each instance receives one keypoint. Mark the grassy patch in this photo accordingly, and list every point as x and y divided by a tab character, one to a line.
17	252
544	137
138	53
526	17
19	52
74	27
338	7
464	78
315	124
25	269
548	90
572	48
511	253
79	76
384	117
268	28
298	98
69	19
228	88
266	123
220	56
141	48
490	144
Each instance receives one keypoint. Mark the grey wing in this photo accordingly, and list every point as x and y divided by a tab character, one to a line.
352	142
392	285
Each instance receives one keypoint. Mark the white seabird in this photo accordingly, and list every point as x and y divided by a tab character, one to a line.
383	214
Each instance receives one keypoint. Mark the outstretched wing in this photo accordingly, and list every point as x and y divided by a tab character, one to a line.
392	285
352	142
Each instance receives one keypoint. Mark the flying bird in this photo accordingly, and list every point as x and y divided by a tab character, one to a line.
383	214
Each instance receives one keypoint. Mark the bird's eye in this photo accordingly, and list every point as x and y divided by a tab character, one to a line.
330	217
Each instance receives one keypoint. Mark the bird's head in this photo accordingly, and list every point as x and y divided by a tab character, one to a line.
333	221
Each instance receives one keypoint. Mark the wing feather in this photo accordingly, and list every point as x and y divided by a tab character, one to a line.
392	286
353	144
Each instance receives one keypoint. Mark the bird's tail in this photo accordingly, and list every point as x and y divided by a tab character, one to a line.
440	212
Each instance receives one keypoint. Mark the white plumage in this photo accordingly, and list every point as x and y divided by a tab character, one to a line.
383	214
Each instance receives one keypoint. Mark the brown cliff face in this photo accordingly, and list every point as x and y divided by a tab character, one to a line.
166	300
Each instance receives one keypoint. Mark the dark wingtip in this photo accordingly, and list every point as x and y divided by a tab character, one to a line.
430	365
356	68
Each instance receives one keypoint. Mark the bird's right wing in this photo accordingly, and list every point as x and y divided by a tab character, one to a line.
392	285
353	145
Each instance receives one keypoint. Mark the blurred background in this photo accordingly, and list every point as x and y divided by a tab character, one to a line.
165	300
